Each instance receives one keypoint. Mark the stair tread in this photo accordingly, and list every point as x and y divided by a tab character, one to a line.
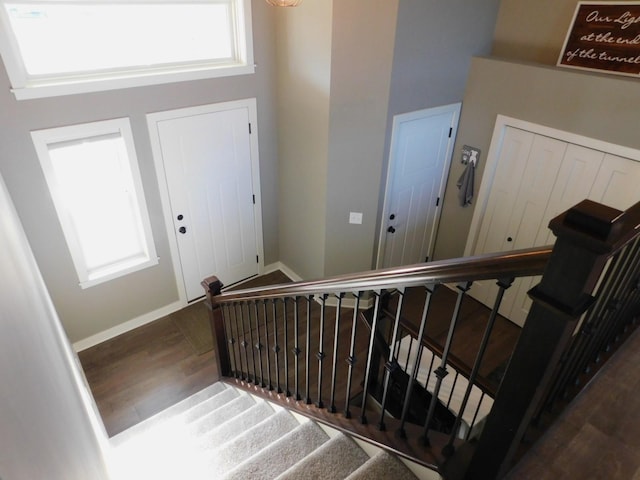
382	466
334	460
226	457
168	413
280	455
221	415
237	425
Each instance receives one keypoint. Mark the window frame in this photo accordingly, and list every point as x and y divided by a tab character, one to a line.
24	86
42	139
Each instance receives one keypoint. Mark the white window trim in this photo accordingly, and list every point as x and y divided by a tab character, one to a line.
24	89
42	139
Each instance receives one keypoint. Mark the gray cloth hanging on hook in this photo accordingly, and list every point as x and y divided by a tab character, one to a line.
465	185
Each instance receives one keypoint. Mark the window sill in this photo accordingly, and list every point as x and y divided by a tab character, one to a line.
72	87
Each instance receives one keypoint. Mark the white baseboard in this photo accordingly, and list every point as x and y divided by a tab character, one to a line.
284	269
126	326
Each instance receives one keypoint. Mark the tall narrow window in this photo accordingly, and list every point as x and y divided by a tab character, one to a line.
92	174
58	47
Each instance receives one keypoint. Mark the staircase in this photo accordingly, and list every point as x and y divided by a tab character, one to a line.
225	433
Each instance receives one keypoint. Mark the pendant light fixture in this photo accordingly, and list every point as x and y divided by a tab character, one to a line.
284	3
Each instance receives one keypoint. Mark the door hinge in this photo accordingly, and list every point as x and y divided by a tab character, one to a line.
253	197
257	259
426	259
250	129
450	131
437	201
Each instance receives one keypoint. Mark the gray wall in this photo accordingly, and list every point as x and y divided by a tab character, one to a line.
50	427
434	44
595	105
87	312
303	90
362	57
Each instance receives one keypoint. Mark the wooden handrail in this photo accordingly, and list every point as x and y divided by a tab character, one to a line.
517	263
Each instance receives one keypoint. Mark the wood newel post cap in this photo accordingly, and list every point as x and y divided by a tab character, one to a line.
589	223
212	285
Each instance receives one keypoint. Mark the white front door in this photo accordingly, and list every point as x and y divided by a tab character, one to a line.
535	178
207	163
421	148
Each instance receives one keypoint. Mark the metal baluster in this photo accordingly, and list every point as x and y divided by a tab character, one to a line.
230	338
296	349
367	370
243	344
320	355
392	364
352	357
441	371
285	312
414	371
503	285
453	388
336	343
266	343
276	347
258	346
308	352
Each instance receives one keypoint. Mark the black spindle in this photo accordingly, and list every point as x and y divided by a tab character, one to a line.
296	349
503	285
370	355
308	353
321	355
266	343
392	364
258	346
276	347
285	313
441	371
416	366
352	358
336	343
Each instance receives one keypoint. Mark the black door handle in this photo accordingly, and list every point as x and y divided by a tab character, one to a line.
391	230
182	229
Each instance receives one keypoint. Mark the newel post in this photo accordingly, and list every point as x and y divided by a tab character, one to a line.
212	287
585	234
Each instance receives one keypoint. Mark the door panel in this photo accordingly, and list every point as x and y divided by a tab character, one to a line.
421	150
536	179
207	162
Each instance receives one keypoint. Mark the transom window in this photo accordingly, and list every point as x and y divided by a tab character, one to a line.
92	174
64	46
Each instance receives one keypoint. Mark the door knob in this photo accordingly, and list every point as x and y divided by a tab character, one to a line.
391	230
182	229
509	239
392	216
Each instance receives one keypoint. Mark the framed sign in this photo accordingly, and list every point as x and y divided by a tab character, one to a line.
604	37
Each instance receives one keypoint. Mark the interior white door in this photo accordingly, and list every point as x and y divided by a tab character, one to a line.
537	178
422	143
208	169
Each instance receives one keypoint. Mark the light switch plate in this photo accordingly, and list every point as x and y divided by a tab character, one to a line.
355	218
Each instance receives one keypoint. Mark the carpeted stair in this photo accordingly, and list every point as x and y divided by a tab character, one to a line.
224	433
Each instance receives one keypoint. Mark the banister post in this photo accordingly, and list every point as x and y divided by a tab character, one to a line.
585	235
212	286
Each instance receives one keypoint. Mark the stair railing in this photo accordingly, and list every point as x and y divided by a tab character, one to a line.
589	289
311	331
